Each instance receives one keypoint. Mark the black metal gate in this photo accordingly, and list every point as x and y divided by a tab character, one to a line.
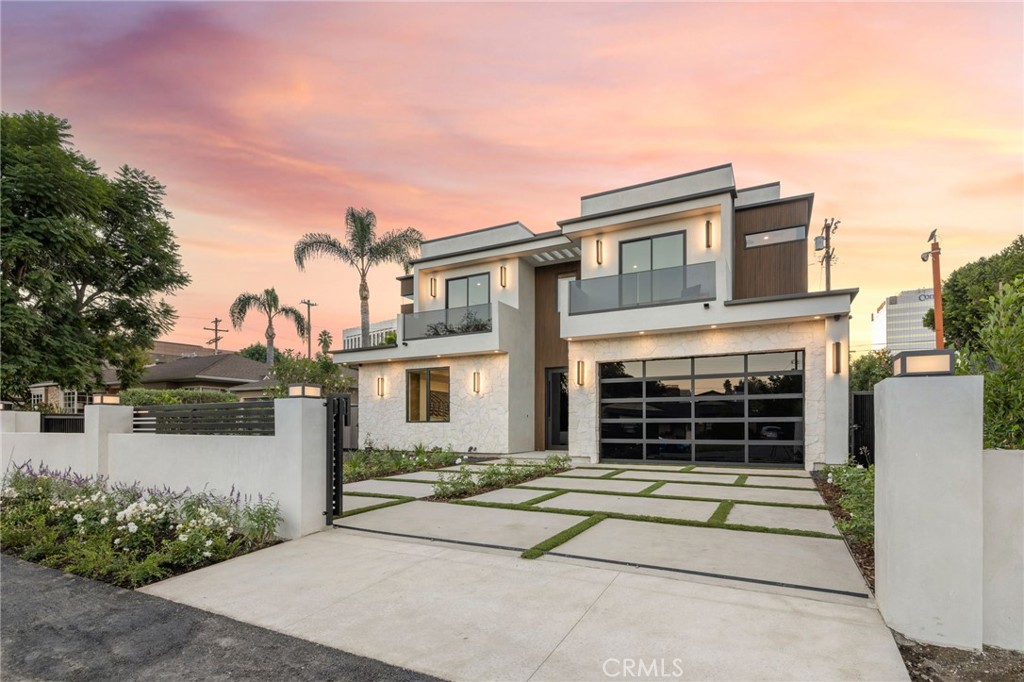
862	427
337	419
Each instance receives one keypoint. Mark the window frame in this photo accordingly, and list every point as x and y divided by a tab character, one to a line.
466	278
747	237
650	240
428	371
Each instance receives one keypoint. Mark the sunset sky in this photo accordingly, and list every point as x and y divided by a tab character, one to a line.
266	120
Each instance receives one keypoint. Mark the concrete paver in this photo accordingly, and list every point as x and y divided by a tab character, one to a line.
606	484
821	564
624	504
465	615
818	520
739	492
382	487
463	523
585	473
353	502
782	482
653	476
752	471
508	495
429	475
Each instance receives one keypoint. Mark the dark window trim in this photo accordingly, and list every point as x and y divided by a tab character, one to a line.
449	280
428	420
775	229
651	239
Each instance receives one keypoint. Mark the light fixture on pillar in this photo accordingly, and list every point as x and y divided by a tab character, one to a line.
837	350
476	382
600	252
579	372
380	387
105	399
504	277
923	363
303	391
707	233
433	287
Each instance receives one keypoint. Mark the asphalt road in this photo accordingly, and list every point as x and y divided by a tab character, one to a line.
56	626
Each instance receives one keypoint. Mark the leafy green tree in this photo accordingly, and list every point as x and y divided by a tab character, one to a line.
269	304
324	341
85	260
998	354
967	290
870	368
362	251
294	368
258	353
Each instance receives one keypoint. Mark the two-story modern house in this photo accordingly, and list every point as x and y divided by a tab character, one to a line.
669	322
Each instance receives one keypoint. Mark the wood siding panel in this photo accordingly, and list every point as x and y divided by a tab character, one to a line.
406	286
550	349
770	270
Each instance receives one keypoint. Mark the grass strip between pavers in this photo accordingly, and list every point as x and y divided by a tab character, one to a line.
384	495
679	497
741	480
651	488
391	503
561	538
613	472
668	521
771	473
708	483
688	468
545	496
722	513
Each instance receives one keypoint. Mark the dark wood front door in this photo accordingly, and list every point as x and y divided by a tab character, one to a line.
556	409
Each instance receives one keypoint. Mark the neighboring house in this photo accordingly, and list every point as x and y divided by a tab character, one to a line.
670	321
898	323
256	390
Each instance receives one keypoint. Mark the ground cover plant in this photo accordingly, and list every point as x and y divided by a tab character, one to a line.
373	462
124	534
849	492
465	482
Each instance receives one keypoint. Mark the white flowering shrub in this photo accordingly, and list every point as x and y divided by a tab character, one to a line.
122	534
372	462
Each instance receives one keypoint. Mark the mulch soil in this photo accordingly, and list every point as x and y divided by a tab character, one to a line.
926	662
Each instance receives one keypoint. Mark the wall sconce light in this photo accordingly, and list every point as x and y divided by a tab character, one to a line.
433	287
504	277
380	387
476	382
303	391
707	233
924	363
579	372
105	399
600	252
837	350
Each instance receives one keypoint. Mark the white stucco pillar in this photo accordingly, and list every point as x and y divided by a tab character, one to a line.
928	507
100	422
300	429
837	390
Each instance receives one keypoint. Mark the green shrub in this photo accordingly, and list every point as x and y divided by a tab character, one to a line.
174	396
373	462
461	483
858	500
124	534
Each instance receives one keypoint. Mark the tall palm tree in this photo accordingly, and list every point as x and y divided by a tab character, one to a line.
324	341
270	305
362	251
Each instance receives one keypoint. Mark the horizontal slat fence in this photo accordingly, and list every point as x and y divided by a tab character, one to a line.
210	419
63	423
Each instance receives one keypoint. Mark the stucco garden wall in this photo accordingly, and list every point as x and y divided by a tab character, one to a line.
809	336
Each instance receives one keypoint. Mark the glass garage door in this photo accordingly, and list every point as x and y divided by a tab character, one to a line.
710	409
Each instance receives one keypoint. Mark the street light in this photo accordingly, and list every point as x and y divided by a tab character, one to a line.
936	286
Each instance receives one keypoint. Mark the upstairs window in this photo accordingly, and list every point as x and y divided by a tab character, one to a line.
653	253
786	234
469	291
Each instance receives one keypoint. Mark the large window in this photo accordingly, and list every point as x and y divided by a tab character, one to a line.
786	234
726	408
653	253
70	402
428	394
469	291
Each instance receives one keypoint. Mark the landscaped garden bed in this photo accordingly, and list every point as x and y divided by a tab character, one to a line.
465	482
373	462
849	492
124	534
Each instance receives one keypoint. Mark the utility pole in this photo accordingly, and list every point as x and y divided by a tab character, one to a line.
216	335
823	242
309	327
940	342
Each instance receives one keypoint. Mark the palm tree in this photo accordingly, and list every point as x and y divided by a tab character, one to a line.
362	251
324	341
270	305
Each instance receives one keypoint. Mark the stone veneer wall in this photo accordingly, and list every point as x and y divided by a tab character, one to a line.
477	420
808	336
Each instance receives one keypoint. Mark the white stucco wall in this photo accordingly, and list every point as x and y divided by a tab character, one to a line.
808	336
476	420
59	451
1003	574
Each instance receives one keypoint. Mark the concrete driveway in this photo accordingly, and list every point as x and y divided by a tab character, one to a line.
695	598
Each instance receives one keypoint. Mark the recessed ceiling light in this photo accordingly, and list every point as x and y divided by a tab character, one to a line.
714	326
641	332
569	339
817	317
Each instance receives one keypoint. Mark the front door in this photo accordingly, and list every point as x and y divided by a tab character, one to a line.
556	409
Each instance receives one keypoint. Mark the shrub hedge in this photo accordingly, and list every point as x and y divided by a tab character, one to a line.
174	396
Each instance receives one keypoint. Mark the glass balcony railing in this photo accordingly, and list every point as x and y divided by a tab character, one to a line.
684	284
447	322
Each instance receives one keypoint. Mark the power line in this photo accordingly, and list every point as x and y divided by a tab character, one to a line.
217	338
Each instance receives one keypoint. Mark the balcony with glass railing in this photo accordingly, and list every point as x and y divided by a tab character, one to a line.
666	286
446	322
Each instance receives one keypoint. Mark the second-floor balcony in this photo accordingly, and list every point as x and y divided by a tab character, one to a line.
446	322
667	286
